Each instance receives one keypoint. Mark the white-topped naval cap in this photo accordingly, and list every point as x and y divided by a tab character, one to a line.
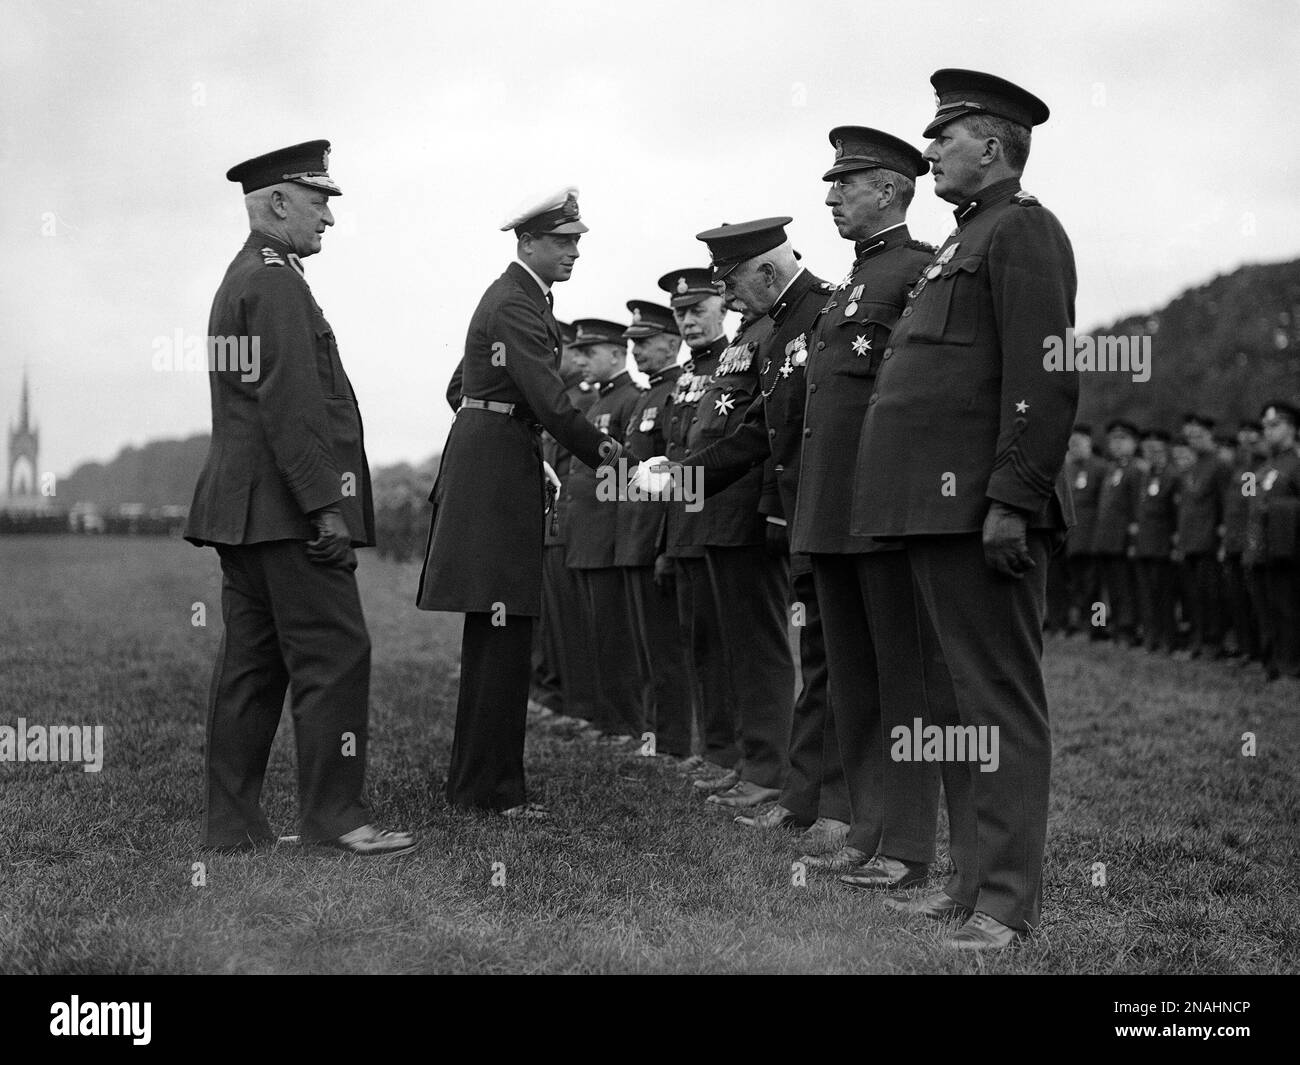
554	212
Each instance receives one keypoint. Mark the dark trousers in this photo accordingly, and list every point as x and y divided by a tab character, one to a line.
289	624
701	620
544	680
1118	586
661	650
1085	589
877	683
1058	594
754	589
814	783
989	629
1155	586
620	693
1279	593
566	630
1202	574
487	753
1237	591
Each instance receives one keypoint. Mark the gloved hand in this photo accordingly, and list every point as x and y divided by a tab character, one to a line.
652	475
1005	546
665	573
333	543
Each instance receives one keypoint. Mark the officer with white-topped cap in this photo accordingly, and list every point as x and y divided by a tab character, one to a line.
484	556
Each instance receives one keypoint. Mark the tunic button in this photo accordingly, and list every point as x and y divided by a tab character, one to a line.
812	388
874	396
821	344
808	431
907	311
771	432
889	352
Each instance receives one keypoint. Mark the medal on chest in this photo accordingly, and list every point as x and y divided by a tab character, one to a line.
736	359
648	419
935	268
852	307
1081	482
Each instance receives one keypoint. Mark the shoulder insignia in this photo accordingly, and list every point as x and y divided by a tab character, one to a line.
1026	199
920	245
271	257
826	286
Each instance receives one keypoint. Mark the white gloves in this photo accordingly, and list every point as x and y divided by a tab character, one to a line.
653	475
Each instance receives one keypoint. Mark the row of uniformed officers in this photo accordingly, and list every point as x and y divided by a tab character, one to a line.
1186	545
880	463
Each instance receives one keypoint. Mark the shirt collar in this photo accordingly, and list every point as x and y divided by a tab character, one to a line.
546	289
618	379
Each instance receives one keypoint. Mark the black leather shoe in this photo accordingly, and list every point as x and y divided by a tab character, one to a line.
777	817
937	905
886	873
982	932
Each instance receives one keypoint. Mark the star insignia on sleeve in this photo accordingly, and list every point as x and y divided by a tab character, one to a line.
1022	407
861	345
724	404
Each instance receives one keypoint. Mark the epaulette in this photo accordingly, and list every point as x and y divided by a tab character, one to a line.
1026	199
271	257
920	245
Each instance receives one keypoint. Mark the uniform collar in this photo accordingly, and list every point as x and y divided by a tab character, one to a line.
887	238
533	274
668	373
614	382
258	240
986	197
795	288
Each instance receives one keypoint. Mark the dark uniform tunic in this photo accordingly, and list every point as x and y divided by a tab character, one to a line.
567	684
1200	513
751	586
1117	503
772	434
1157	518
283	444
652	605
1272	557
965	412
484	555
864	585
697	606
593	513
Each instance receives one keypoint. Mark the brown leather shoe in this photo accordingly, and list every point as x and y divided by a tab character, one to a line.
777	817
982	932
527	811
937	905
729	779
841	861
889	873
826	836
371	842
744	794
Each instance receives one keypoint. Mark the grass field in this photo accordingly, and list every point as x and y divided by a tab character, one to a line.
633	873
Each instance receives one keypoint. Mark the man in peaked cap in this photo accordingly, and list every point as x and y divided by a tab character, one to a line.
876	659
593	530
1084	474
771	282
699	312
979	508
1272	555
751	585
1157	516
567	684
1117	508
652	600
1235	503
484	556
1200	520
284	497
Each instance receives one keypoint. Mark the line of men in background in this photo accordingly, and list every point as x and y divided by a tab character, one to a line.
1186	545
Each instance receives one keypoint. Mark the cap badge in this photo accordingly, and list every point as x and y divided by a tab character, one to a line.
682	286
839	149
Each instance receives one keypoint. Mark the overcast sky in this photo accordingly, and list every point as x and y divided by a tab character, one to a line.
1169	158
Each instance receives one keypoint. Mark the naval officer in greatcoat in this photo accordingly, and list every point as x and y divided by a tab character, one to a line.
484	556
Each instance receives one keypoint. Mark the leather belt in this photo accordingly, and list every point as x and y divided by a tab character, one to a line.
507	409
510	410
